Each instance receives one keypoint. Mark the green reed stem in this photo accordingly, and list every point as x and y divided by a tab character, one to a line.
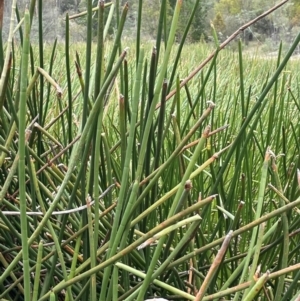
76	253
87	74
122	125
69	84
22	146
99	69
93	296
138	31
52	297
285	246
115	290
99	77
257	251
41	65
117	39
161	284
37	272
257	287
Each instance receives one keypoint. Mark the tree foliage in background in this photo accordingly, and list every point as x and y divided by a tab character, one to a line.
199	25
294	13
228	7
150	16
67	5
226	16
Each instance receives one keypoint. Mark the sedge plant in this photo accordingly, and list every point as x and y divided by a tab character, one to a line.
134	170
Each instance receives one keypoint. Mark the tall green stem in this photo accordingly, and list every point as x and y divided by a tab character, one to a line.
22	146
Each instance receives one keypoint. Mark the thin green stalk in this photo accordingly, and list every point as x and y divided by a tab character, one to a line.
109	19
69	84
138	31
76	253
118	12
257	287
41	65
96	176
161	284
93	296
117	39
160	126
242	88
82	291
31	9
88	59
115	282
47	134
169	230
99	69
160	138
257	251
293	286
285	246
237	216
159	36
22	146
122	124
37	272
108	169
